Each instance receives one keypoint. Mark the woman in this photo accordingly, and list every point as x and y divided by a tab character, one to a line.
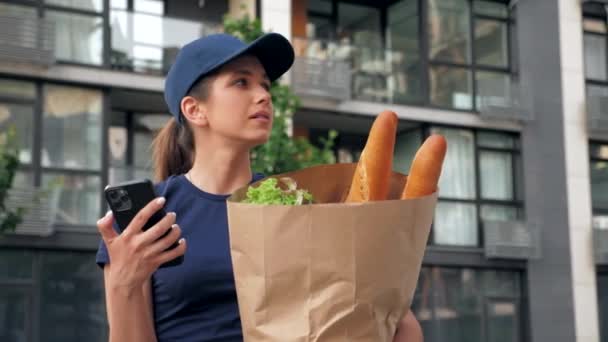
218	92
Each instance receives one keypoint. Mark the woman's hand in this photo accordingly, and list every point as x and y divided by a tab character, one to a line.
409	329
135	254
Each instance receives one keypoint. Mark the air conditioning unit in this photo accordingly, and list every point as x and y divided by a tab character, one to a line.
511	240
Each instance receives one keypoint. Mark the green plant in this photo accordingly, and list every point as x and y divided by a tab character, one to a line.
281	153
9	162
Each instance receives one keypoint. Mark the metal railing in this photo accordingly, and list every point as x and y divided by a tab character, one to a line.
511	240
504	99
27	38
149	43
343	71
41	207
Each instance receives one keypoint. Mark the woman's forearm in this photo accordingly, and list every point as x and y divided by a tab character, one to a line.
130	314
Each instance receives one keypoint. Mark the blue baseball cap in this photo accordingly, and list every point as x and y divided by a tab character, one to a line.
204	55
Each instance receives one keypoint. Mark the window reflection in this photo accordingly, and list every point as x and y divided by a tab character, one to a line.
72	128
463	305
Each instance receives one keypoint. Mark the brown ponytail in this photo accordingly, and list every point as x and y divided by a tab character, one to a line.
173	146
172	150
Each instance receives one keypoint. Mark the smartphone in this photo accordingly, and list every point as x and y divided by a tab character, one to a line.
127	199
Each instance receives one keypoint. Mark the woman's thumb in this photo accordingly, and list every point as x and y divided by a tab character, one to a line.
104	225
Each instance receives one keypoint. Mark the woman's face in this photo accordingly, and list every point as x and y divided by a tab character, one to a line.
239	105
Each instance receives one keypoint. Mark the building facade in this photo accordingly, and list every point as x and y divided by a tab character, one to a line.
519	245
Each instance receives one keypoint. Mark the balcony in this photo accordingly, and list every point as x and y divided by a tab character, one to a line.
25	37
149	43
40	209
504	98
511	240
343	71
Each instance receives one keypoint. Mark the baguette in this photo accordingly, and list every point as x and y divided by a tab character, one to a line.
371	180
426	168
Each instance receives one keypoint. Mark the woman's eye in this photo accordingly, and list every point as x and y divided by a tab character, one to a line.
241	82
266	86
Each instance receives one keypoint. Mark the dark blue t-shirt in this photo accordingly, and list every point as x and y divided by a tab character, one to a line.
195	301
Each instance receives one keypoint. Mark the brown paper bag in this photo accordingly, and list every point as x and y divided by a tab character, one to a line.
327	271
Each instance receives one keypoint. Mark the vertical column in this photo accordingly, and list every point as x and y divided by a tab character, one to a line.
577	171
549	279
276	17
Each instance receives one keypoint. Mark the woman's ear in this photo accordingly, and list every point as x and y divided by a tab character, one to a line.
194	111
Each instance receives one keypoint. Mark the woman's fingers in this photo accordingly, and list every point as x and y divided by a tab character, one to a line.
166	241
104	226
138	222
172	253
158	230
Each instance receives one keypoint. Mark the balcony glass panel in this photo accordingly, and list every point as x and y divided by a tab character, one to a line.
595	56
149	43
78	38
491	43
448	27
89	5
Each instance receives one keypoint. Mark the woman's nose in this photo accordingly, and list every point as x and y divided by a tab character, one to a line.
263	95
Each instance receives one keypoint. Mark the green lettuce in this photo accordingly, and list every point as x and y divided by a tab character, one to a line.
269	192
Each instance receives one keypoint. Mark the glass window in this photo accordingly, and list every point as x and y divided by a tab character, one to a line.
89	5
501	320
495	140
72	128
17	89
494	9
599	184
72	305
156	7
320	6
491	43
498	213
595	56
15	264
402	38
361	23
406	146
455	224
458	173
451	87
496	171
14	308
118	4
457	304
118	139
17	10
21	117
449	27
503	284
598	151
79	200
594	25
23	178
493	89
519	178
597	108
78	38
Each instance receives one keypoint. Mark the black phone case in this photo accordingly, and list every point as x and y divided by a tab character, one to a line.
139	193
